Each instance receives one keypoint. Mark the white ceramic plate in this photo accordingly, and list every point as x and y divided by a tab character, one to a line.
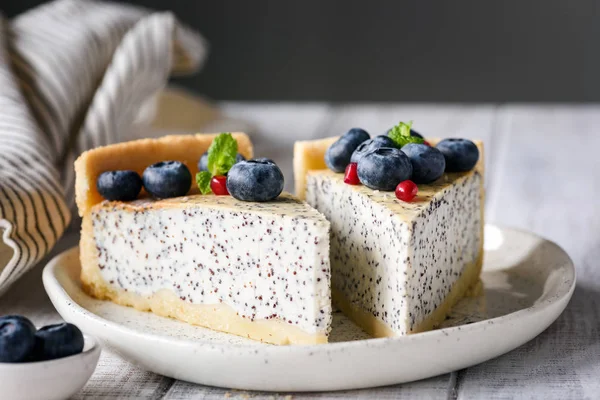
50	380
528	283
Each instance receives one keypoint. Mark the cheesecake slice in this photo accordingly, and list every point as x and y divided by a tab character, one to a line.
258	270
397	267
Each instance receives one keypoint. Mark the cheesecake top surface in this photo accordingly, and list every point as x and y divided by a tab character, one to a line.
426	193
286	205
309	160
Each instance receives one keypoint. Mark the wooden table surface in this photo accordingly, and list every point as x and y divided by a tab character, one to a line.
543	175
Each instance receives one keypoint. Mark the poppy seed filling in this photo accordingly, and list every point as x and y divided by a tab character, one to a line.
265	261
399	261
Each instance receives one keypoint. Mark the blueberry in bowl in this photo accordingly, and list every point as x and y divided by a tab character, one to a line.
384	168
338	155
167	179
17	339
20	341
57	341
255	180
53	362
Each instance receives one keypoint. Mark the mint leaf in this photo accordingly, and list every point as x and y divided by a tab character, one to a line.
400	134
221	157
221	154
203	180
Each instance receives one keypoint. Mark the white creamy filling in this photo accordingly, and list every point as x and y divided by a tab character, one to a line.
262	266
398	271
445	238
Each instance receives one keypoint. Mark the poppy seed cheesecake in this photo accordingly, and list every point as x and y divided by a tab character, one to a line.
254	269
397	266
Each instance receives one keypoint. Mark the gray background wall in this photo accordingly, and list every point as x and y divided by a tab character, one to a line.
467	51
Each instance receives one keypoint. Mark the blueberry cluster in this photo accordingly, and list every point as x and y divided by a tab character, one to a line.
21	342
248	180
163	179
381	165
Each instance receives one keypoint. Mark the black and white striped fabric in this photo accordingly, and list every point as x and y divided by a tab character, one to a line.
73	74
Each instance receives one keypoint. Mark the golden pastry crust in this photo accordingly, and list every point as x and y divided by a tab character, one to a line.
309	155
137	155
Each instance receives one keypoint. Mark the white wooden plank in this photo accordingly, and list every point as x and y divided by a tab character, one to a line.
547	175
546	180
116	378
275	126
436	120
434	388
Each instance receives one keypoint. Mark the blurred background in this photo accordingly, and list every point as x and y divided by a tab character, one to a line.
392	51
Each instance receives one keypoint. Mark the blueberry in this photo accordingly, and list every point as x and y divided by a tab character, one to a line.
384	168
57	341
17	339
203	162
428	162
384	141
167	179
339	153
119	185
412	133
416	134
372	144
255	180
460	154
264	160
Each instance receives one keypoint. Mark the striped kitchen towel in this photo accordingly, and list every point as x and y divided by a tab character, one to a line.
73	74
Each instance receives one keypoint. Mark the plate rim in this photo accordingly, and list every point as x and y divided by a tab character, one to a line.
53	286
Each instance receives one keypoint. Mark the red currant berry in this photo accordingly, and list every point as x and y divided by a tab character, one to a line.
406	190
218	185
351	176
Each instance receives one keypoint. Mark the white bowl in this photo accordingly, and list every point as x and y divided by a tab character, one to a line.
50	380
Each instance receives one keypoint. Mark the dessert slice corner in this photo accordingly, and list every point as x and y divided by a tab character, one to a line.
309	155
257	270
390	275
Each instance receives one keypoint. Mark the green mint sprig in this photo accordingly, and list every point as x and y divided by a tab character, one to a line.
203	180
400	134
221	157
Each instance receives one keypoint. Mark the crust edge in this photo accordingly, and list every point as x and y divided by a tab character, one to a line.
137	155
